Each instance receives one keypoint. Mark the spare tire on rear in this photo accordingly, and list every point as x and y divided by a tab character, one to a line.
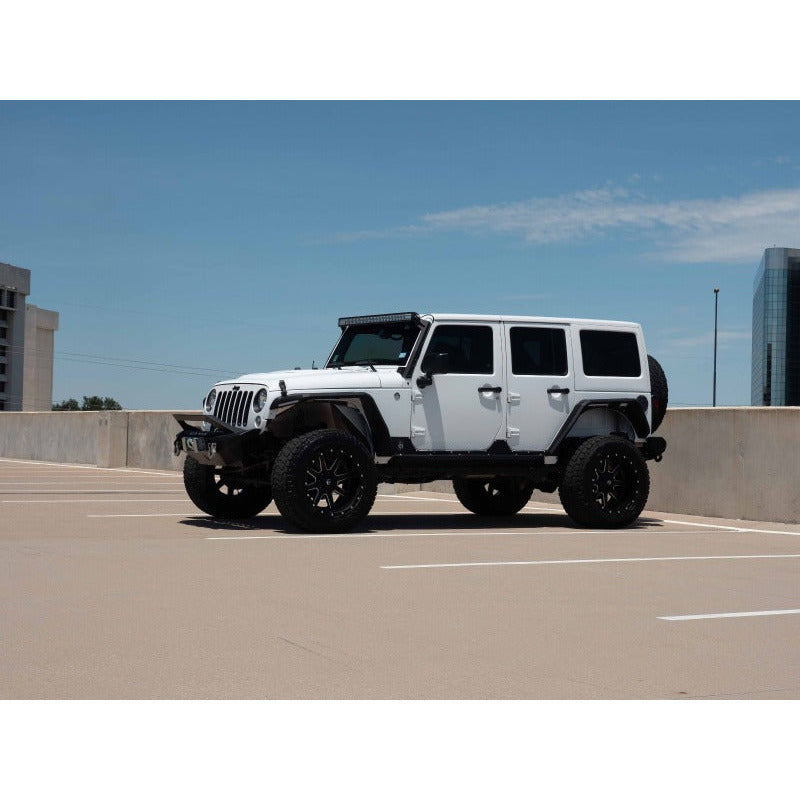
658	391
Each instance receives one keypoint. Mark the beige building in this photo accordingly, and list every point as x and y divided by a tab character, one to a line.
26	345
37	381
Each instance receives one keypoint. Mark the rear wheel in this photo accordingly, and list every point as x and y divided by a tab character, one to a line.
605	484
222	493
324	481
498	496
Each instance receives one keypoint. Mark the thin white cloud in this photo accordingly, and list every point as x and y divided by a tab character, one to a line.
733	229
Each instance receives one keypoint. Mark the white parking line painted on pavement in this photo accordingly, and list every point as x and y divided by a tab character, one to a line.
90	491
95	476
85	484
730	527
734	614
116	500
584	561
373	514
85	466
111	516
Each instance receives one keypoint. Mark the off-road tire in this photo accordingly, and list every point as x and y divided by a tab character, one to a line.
498	497
324	481
605	484
659	392
217	492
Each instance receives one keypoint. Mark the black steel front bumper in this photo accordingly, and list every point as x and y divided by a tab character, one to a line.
220	448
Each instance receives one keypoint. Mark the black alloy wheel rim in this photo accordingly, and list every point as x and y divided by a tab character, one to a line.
613	482
495	487
333	481
226	485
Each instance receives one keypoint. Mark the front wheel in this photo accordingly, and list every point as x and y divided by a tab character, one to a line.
499	496
324	481
222	493
605	484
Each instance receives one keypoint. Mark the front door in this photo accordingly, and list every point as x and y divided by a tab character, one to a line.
541	383
463	409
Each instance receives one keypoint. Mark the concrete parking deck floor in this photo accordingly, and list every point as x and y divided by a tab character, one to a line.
115	586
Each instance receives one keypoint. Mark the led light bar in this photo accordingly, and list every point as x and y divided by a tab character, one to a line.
409	316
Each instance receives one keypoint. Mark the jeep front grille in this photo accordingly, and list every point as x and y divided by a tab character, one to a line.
233	407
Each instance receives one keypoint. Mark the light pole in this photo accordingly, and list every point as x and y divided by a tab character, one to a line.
716	303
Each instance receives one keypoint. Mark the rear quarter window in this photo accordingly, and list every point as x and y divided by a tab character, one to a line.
610	353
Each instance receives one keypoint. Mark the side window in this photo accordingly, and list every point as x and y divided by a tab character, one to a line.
610	353
470	348
538	351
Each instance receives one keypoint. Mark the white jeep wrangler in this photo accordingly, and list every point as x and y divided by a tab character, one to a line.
499	405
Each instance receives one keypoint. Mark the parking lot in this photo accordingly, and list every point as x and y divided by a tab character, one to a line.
115	586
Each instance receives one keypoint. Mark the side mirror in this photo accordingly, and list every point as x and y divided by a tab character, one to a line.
433	364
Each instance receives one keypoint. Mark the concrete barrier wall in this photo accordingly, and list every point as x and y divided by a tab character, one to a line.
50	435
105	438
150	438
740	463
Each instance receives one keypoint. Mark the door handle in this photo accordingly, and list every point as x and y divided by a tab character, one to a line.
493	389
556	390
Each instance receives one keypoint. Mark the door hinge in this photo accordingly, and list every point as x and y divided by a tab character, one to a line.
512	432
513	397
416	397
417	431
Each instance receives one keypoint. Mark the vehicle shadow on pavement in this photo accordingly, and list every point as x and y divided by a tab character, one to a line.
421	522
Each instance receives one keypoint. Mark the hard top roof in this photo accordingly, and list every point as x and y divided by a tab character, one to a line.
449	317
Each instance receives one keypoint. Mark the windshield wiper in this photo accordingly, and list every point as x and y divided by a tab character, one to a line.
364	363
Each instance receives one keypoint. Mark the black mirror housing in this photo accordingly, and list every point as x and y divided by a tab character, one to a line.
433	364
436	363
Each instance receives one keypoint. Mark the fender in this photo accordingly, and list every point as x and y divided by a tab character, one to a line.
355	420
629	407
370	425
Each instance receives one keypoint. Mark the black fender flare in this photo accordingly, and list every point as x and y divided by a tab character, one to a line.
366	422
355	421
630	408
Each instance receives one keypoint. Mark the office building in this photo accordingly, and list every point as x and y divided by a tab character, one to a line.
37	382
775	375
26	345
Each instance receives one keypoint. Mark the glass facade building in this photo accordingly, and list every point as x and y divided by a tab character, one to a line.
776	329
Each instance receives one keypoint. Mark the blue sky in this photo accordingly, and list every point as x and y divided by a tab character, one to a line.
228	237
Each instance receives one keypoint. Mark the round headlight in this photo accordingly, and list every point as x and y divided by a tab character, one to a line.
259	401
212	396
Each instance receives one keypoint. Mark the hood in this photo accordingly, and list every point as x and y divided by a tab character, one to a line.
304	380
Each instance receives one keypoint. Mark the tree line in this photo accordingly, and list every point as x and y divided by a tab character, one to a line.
93	403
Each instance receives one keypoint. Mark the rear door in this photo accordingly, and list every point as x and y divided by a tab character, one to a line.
463	409
541	383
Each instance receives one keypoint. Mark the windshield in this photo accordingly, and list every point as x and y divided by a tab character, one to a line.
379	343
